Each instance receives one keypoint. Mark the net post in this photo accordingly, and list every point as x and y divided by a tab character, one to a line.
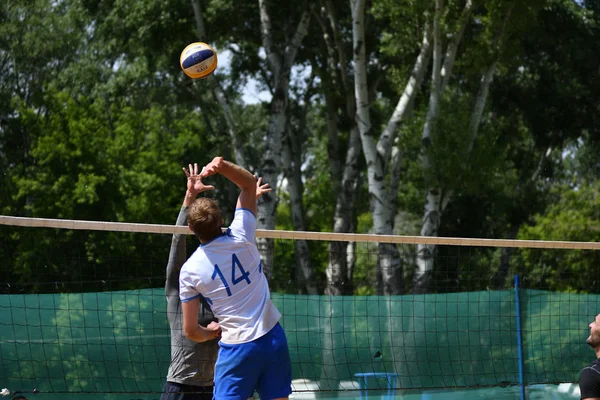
519	338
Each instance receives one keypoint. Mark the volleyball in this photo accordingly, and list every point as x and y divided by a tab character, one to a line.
198	60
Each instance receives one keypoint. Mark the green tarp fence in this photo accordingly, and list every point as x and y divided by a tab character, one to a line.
114	342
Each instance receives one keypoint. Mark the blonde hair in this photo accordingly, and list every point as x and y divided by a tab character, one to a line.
204	218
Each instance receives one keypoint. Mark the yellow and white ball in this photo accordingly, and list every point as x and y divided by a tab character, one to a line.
198	60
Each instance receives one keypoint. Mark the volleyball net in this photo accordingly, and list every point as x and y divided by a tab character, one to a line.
83	309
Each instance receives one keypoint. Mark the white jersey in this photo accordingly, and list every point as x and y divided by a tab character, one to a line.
227	272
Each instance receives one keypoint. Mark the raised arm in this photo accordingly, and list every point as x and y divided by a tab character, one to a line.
177	255
238	175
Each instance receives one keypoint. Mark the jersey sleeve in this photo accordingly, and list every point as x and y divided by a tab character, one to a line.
244	225
589	383
187	286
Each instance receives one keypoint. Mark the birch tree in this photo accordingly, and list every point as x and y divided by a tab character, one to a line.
343	170
292	151
381	169
280	59
438	196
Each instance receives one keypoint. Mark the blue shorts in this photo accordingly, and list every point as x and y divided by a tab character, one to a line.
263	365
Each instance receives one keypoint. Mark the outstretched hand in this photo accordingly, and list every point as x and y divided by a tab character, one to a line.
260	188
194	180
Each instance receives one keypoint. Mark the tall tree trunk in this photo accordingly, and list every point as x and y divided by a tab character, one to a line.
381	210
344	181
338	271
292	162
304	271
437	198
499	278
329	375
377	155
280	66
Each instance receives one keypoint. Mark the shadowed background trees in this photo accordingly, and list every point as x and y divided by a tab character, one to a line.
457	118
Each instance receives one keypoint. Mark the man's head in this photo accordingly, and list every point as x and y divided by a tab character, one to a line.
594	339
204	219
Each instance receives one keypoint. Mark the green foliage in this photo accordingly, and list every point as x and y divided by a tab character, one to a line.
574	216
99	122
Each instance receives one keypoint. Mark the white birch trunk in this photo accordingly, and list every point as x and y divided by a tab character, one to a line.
344	181
450	55
304	272
329	376
338	270
433	199
280	66
382	220
425	253
377	155
437	198
480	101
292	161
406	101
375	171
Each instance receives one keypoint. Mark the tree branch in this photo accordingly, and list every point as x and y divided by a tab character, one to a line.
486	81
406	101
292	48
452	48
266	31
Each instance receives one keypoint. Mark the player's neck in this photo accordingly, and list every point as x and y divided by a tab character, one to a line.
219	233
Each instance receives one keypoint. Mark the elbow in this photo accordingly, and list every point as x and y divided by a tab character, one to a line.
188	331
194	333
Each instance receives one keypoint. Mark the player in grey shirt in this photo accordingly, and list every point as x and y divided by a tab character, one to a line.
192	367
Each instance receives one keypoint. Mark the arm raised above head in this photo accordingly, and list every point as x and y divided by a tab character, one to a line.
238	175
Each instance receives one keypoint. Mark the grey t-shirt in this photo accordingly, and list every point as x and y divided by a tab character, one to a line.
192	363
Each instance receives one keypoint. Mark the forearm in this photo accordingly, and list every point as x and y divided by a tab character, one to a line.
238	175
177	256
198	334
189	199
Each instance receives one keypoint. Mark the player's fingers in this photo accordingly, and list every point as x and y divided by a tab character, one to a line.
191	169
185	172
196	168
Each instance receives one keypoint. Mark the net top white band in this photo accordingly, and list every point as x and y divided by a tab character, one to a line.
296	235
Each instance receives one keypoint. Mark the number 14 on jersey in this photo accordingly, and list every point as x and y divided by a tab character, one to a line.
238	274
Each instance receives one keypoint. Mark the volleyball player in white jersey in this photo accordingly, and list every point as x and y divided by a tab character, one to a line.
226	270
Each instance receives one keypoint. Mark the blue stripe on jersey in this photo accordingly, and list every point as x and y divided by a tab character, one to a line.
245	209
196	58
190	299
